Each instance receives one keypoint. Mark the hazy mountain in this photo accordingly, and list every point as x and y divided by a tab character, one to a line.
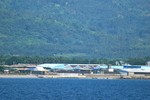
88	28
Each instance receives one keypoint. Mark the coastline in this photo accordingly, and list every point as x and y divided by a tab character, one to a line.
18	76
79	76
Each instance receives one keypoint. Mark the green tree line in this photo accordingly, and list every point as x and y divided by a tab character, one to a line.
10	60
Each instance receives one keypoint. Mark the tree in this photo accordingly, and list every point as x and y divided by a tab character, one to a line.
2	68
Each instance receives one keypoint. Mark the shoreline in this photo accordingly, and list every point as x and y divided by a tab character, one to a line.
80	76
18	76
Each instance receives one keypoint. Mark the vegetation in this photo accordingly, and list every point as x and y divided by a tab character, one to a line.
10	60
74	28
2	69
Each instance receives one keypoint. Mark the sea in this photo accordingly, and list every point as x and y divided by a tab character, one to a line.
73	89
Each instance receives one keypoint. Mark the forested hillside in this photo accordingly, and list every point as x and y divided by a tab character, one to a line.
75	28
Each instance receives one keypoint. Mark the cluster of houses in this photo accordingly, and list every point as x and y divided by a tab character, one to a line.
79	68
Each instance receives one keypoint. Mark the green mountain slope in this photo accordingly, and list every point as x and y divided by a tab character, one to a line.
87	28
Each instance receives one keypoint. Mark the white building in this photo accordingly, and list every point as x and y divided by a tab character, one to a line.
148	63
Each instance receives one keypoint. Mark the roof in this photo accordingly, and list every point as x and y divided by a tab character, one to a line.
52	66
36	69
136	70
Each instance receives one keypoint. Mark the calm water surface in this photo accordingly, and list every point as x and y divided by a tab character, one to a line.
74	89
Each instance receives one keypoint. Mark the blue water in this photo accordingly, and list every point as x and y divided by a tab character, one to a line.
74	89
